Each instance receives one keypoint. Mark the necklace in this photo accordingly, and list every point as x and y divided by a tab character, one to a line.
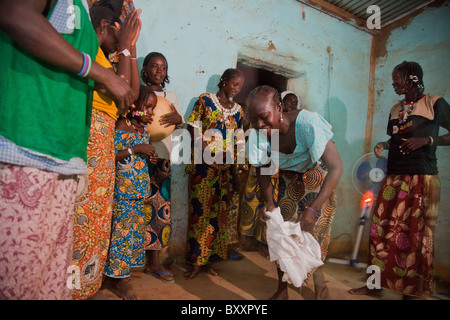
225	111
130	124
405	113
405	110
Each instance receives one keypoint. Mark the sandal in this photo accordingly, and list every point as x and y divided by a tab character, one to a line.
236	256
192	273
121	287
162	275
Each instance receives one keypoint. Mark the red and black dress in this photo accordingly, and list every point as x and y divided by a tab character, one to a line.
405	215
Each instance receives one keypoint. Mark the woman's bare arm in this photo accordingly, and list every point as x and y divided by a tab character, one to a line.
23	21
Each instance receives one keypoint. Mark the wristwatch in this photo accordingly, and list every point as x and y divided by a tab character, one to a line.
125	52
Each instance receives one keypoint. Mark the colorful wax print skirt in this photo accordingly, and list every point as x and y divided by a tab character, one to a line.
233	219
157	220
210	192
252	204
402	232
127	238
93	207
296	191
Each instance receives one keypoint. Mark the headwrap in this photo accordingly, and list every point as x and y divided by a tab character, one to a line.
299	102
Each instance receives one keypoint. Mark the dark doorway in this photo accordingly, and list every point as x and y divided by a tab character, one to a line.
255	77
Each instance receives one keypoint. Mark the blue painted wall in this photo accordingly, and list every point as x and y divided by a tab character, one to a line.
426	40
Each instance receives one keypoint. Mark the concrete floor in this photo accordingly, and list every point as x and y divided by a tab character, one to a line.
252	278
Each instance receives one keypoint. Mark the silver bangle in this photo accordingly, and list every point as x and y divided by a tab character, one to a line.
431	140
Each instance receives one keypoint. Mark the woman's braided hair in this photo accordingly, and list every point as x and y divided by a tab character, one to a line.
147	60
229	74
412	72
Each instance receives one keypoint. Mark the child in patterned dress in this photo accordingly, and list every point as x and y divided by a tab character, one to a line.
133	152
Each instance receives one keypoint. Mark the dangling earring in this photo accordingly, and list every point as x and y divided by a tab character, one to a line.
281	112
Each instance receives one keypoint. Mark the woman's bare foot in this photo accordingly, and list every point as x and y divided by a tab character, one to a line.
121	287
192	272
209	270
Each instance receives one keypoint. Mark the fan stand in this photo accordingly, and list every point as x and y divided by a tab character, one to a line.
376	174
365	213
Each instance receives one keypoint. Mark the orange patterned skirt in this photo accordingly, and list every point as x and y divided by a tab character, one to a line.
93	208
292	192
296	191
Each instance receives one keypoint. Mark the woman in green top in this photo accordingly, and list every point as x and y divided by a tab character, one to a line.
43	142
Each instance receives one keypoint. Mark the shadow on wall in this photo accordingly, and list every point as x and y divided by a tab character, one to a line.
211	87
338	120
347	216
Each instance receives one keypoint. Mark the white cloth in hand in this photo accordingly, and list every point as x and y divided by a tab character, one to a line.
296	251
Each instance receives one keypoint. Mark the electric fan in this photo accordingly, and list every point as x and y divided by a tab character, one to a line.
367	175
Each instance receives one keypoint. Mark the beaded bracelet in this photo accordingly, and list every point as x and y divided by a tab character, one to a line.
313	211
87	64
